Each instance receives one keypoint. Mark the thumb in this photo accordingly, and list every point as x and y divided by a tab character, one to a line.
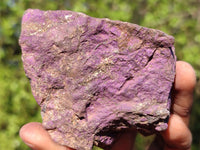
37	138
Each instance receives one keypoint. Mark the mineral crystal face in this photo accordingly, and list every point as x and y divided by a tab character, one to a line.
95	78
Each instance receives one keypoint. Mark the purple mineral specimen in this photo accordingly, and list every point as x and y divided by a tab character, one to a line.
95	78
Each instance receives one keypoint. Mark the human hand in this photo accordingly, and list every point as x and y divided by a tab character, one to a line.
176	137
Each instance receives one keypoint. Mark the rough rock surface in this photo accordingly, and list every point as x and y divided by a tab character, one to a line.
95	78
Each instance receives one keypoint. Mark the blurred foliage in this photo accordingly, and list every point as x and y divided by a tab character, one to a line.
175	17
17	106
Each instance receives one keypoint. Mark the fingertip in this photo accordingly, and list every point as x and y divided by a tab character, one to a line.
185	83
29	133
36	137
185	77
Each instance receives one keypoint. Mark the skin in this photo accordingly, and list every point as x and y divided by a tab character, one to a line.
176	137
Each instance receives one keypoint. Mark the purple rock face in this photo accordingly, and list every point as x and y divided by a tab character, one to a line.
95	78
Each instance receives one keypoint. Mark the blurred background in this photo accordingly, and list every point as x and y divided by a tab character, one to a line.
179	18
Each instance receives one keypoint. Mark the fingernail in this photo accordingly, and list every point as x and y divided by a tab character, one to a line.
30	145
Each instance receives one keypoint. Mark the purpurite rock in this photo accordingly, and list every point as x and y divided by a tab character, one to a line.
95	78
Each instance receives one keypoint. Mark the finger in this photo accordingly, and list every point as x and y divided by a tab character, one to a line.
183	90
125	142
157	143
177	136
37	138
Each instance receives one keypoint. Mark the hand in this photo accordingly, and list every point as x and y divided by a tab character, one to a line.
176	137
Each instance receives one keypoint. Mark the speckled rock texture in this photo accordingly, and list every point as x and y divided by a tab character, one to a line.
95	78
